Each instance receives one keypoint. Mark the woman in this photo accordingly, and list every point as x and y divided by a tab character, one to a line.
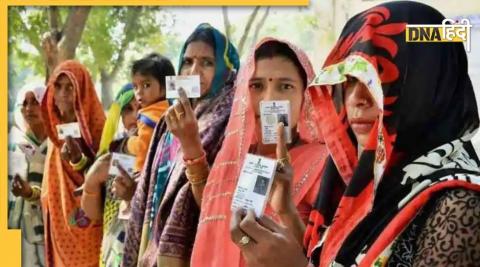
276	70
27	150
164	208
98	200
71	238
411	198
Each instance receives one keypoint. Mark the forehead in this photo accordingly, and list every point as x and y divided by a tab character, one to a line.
30	96
63	79
276	67
138	78
199	49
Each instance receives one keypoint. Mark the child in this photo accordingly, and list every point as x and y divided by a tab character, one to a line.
148	79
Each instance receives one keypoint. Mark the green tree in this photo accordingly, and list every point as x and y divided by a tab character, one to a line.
102	42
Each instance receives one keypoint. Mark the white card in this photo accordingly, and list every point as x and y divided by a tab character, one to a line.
271	113
68	129
17	164
26	148
189	83
126	161
254	184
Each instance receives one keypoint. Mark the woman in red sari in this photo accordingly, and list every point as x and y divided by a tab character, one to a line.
276	70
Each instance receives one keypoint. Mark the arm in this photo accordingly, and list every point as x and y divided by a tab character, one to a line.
92	200
138	145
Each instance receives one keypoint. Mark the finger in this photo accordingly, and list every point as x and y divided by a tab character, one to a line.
236	233
173	118
252	228
282	150
179	111
185	102
124	175
270	224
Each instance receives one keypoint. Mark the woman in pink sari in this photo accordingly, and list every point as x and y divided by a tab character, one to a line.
276	70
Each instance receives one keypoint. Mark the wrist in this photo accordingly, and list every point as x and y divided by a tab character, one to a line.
192	149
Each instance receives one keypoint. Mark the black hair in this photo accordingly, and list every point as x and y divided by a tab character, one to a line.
204	35
272	49
155	65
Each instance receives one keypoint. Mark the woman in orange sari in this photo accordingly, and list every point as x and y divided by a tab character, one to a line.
276	70
71	238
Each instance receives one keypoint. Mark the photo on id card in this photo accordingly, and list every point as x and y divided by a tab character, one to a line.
272	113
254	184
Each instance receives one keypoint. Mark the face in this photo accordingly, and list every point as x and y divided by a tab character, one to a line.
64	95
31	109
362	110
199	59
129	115
277	78
147	89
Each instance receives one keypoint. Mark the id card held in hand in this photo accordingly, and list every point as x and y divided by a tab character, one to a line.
189	83
68	129
272	113
124	160
254	184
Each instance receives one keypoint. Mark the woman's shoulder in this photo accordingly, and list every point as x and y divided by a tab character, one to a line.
451	234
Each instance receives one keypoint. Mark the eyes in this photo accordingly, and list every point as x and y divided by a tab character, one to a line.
68	87
204	62
144	85
281	86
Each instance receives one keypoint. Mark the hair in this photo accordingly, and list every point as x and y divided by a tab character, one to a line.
203	35
272	49
155	65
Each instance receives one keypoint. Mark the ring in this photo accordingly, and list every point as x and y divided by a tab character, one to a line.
244	241
281	163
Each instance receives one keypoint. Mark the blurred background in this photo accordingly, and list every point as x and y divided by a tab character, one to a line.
108	39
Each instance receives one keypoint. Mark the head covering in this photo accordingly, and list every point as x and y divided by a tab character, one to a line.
164	212
71	238
38	91
213	229
123	98
226	58
428	115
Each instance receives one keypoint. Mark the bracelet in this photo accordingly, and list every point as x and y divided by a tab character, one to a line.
36	192
201	159
85	192
201	181
198	177
80	164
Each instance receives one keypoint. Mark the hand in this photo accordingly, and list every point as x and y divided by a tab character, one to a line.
98	173
270	245
21	188
181	121
123	186
71	150
280	196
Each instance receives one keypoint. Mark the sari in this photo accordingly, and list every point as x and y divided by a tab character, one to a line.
213	234
113	226
27	158
164	212
419	148
71	238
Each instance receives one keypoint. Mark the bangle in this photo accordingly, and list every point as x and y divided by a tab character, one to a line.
197	177
36	191
80	164
201	159
93	194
